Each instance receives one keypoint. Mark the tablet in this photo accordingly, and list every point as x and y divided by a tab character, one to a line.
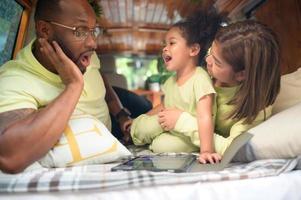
165	162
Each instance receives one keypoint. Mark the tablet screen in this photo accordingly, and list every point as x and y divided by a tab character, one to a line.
172	163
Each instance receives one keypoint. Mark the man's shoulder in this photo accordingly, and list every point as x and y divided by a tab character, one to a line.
23	67
12	69
13	74
19	61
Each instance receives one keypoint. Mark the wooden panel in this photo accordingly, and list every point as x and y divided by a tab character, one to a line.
23	25
231	8
284	17
227	6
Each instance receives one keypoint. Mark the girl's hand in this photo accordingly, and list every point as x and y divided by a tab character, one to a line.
66	68
207	157
168	118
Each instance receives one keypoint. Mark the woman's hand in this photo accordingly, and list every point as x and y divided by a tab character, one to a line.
207	157
66	68
168	118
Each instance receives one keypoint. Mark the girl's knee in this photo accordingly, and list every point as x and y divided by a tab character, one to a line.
167	142
144	129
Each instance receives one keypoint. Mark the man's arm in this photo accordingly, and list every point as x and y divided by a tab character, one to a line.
111	97
26	135
116	107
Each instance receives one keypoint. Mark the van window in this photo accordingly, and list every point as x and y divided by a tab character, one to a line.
10	16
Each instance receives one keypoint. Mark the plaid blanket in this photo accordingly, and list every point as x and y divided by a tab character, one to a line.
101	178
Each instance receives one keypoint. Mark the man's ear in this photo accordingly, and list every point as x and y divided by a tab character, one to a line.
195	49
240	76
43	29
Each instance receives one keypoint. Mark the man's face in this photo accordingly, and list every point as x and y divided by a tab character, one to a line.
78	49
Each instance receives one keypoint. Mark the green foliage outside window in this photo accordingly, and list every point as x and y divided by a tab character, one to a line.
162	74
139	72
136	70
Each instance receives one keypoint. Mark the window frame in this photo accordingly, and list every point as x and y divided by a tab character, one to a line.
24	22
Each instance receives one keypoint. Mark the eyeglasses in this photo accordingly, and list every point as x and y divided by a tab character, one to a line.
81	32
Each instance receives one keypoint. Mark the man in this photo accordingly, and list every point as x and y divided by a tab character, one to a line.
50	79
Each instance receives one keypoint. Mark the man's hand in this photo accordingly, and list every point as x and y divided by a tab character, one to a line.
66	68
125	126
168	118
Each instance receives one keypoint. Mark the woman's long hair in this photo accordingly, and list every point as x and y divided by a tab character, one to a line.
253	47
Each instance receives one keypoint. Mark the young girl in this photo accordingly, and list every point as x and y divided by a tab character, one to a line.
244	64
190	90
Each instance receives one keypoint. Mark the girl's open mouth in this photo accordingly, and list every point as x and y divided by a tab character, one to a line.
166	58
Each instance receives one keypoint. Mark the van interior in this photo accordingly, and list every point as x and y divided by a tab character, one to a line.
130	54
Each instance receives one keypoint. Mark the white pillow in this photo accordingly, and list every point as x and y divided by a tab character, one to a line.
84	141
278	137
290	92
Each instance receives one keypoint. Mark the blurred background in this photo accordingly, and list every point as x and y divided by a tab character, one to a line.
130	48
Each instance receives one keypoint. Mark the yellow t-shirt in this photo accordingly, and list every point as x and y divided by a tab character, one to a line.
25	83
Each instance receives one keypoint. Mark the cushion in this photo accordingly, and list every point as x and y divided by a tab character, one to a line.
84	141
277	137
290	91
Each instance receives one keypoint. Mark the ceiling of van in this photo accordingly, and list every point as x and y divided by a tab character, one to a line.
137	27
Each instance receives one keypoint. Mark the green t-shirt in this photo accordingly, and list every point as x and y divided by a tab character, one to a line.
146	130
25	83
225	130
222	124
186	96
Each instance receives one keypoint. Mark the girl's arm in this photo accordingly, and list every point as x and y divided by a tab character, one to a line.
205	129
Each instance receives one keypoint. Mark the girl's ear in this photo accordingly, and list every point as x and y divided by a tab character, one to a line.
195	49
43	29
240	76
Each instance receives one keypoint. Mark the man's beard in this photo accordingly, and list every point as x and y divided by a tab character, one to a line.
69	53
